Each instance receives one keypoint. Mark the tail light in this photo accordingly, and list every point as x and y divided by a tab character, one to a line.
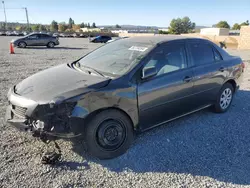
243	65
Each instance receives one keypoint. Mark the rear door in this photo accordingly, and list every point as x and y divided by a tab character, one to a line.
169	93
43	39
209	73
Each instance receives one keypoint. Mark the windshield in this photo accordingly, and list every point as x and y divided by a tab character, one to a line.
116	58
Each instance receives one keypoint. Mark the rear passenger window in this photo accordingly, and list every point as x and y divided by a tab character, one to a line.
217	56
43	36
201	53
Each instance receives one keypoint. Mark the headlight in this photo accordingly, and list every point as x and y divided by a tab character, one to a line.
65	108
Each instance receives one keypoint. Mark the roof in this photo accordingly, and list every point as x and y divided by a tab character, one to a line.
157	39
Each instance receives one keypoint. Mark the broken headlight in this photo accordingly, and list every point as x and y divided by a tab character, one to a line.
65	108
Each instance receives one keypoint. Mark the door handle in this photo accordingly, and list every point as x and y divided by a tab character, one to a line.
187	79
222	69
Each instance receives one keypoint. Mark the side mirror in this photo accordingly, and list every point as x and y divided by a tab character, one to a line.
148	72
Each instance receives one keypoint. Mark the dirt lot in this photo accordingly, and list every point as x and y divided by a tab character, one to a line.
201	150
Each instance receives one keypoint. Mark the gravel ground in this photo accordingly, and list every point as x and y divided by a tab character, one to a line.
200	150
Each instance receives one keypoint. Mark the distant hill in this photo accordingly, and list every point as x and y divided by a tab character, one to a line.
200	27
143	27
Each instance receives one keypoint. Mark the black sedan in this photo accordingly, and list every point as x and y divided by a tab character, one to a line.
100	39
124	87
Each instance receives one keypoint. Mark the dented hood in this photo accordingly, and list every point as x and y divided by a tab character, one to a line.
58	83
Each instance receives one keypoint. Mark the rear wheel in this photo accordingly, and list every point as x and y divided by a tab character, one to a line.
50	45
22	44
109	134
224	98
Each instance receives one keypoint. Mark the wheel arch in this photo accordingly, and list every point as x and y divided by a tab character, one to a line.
51	42
23	42
232	82
92	114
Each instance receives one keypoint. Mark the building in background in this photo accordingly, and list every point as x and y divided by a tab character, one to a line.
215	31
119	31
163	29
91	29
234	32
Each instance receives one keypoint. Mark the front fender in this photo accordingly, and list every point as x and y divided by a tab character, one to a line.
124	99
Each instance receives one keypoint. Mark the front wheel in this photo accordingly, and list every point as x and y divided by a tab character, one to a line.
51	45
109	134
224	98
22	45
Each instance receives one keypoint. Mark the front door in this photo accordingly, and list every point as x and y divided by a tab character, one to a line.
32	40
168	94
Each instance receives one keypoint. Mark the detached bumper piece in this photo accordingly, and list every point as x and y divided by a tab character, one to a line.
52	157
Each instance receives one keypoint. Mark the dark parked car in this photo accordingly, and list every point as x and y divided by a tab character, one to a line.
2	33
124	87
36	39
101	39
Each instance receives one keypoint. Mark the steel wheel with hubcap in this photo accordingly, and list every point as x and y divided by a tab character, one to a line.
111	134
108	134
224	98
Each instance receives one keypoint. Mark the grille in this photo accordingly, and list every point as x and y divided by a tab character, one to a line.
19	111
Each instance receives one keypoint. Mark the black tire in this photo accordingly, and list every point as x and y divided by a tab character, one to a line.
218	107
108	134
51	45
22	44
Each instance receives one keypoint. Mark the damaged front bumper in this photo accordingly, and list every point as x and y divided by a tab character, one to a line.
21	113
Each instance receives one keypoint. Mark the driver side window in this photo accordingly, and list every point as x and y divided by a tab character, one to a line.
32	37
168	58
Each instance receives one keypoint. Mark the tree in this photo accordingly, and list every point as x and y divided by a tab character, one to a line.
163	32
223	24
117	26
93	25
19	28
236	26
42	28
181	25
9	27
54	26
88	26
35	27
69	30
244	23
71	22
82	25
76	27
62	27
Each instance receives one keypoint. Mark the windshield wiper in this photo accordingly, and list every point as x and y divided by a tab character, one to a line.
92	69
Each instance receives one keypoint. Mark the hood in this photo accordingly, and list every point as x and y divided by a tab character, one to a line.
60	82
17	39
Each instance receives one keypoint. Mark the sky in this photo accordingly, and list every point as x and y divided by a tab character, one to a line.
134	12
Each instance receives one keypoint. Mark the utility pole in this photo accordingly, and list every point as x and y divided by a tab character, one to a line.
27	17
5	26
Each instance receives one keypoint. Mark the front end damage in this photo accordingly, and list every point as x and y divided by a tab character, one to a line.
45	121
53	119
